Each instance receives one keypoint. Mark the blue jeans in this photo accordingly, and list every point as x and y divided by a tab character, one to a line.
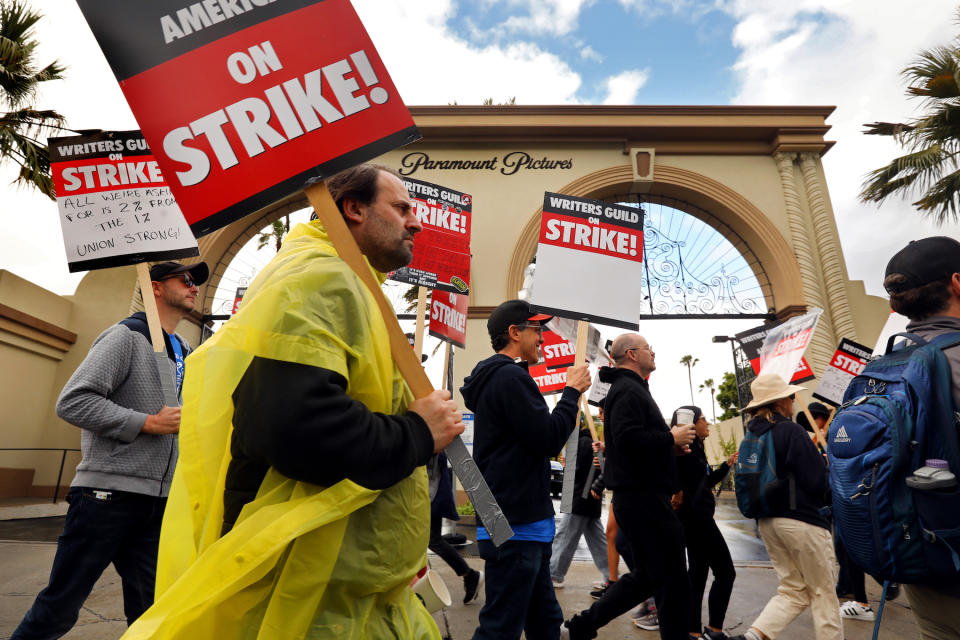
118	527
519	593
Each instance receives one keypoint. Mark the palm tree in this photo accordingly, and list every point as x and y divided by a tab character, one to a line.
709	384
689	362
932	140
21	124
278	229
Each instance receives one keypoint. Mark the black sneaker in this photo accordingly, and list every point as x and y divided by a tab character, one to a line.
577	628
596	594
893	590
471	585
714	635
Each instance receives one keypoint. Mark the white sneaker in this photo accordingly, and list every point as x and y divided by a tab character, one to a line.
558	584
856	611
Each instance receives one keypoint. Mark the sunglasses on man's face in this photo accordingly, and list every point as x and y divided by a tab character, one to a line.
187	279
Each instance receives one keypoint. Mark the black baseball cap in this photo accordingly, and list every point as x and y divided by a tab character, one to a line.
199	271
512	312
924	261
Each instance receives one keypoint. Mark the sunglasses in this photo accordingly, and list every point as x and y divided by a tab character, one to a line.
536	327
187	279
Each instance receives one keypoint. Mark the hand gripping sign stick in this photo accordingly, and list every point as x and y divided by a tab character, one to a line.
409	363
570	468
167	383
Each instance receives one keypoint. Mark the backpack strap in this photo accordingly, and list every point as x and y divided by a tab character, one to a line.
946	340
912	337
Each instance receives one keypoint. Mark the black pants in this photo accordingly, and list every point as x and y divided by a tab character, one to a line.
707	551
851	577
656	540
443	549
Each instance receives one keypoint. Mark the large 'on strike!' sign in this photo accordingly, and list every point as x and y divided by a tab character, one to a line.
242	102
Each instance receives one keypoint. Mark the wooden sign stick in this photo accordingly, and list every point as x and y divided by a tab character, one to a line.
817	434
167	383
408	362
570	468
421	321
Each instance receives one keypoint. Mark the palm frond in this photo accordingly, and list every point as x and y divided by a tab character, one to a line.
940	200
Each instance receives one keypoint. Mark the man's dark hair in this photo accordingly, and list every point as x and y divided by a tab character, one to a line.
920	302
359	182
500	341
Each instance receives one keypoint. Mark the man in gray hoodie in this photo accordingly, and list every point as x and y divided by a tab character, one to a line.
129	448
923	280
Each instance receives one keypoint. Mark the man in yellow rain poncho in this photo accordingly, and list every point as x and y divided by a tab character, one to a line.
299	508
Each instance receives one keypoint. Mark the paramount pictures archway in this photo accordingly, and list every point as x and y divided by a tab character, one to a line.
753	173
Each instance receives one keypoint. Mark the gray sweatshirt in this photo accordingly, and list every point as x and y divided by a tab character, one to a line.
937	325
109	397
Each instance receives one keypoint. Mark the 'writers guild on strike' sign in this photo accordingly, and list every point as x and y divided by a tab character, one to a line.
589	261
115	207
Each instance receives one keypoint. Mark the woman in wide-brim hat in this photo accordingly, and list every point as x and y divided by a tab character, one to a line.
797	533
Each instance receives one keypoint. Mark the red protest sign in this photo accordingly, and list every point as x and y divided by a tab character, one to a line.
237	299
243	103
751	341
115	206
581	243
441	251
558	352
548	381
848	361
448	317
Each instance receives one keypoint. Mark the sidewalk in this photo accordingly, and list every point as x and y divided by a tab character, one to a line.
27	564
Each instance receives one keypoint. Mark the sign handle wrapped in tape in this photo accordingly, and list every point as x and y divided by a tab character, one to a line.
409	364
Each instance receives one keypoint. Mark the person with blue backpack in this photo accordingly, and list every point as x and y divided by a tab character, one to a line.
894	447
781	480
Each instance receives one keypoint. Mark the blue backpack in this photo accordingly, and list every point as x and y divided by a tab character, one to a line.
755	480
896	414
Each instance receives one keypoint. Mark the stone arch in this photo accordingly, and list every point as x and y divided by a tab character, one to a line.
747	221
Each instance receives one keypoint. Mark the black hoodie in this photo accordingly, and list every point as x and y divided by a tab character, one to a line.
515	435
639	445
796	454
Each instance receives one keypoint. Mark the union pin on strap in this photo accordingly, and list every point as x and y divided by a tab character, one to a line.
408	363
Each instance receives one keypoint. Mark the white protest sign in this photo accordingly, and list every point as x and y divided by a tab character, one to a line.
467	435
115	206
896	323
848	361
589	261
567	329
598	391
784	345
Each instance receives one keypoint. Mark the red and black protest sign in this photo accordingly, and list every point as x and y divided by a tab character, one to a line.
441	251
115	206
448	317
237	299
848	361
548	380
558	352
751	342
588	250
243	102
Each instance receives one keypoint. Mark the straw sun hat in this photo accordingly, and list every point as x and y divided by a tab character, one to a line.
768	388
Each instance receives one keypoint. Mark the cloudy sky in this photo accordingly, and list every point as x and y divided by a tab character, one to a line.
846	53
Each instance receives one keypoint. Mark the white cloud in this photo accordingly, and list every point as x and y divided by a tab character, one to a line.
550	17
849	54
589	53
624	87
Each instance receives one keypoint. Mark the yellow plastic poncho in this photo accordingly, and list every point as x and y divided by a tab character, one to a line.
302	561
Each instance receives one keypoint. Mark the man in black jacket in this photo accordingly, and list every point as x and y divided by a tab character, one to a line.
642	471
515	435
